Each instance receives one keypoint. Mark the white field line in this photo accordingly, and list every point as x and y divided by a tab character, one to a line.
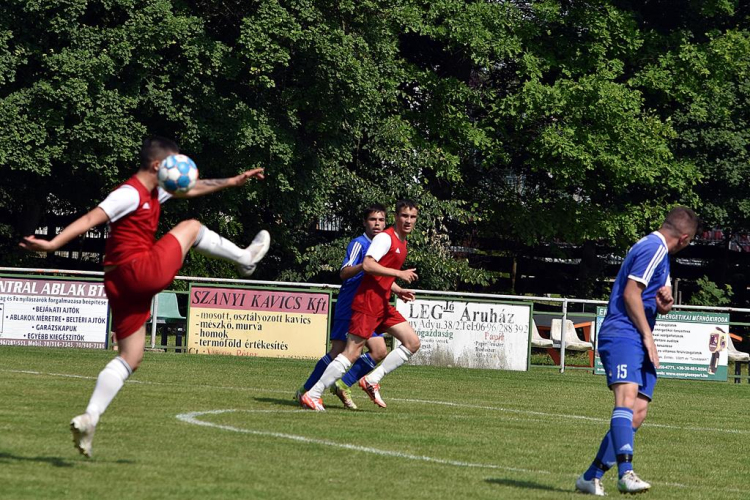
565	415
559	416
192	418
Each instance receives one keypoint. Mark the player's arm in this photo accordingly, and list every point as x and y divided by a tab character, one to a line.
372	266
75	229
633	299
350	271
352	264
207	186
403	294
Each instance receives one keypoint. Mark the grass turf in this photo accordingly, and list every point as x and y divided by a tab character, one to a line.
447	433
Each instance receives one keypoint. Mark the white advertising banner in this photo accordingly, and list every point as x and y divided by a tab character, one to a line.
470	334
691	344
53	313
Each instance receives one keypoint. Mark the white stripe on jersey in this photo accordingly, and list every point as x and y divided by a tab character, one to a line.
655	261
355	251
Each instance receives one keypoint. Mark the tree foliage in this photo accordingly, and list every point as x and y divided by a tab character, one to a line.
531	123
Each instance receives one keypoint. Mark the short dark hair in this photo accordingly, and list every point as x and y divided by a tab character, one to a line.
375	207
405	203
156	148
681	220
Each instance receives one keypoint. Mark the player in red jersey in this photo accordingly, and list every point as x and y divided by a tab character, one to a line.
137	266
373	312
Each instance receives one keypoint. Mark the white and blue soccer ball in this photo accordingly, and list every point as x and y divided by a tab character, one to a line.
177	174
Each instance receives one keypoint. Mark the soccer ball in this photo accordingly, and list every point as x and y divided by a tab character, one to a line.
177	174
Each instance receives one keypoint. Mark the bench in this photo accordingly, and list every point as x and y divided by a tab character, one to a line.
738	357
168	314
536	339
572	342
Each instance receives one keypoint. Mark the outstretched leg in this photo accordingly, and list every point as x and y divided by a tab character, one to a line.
193	234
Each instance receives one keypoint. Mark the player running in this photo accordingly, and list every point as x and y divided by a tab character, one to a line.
627	348
137	266
373	311
351	273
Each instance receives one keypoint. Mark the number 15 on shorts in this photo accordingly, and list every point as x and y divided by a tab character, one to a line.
622	371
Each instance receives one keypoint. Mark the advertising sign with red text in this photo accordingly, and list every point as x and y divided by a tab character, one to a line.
255	322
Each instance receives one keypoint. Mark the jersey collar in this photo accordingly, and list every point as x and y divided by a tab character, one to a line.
661	237
367	237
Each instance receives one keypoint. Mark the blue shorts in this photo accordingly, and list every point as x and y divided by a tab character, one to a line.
626	361
340	328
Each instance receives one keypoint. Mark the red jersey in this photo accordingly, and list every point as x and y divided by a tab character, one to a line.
135	233
374	293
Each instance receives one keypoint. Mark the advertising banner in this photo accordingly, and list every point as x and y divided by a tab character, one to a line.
53	313
251	322
691	345
470	334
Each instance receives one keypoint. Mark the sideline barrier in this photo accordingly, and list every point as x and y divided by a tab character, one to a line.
471	332
564	304
53	312
250	321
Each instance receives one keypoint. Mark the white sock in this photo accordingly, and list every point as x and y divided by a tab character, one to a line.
395	358
109	383
211	244
336	369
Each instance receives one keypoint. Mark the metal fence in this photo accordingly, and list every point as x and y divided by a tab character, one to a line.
564	307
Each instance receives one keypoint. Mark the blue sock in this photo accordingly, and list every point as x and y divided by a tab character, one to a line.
621	430
317	372
364	365
605	459
599	466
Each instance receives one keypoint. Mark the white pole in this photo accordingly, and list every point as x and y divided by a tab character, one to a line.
154	312
563	333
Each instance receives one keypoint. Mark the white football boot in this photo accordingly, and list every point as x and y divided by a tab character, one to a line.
258	249
631	483
593	487
83	433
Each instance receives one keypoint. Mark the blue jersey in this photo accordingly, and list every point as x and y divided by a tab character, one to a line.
647	262
355	254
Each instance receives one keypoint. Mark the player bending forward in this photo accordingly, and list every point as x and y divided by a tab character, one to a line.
137	266
627	348
373	311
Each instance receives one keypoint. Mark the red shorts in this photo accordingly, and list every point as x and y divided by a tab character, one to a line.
363	324
131	285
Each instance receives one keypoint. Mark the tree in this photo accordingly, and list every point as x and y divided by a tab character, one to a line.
529	125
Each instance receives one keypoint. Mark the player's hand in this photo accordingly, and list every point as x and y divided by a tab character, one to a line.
664	300
405	295
256	173
653	354
33	244
408	275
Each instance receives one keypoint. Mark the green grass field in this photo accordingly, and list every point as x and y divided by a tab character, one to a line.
447	433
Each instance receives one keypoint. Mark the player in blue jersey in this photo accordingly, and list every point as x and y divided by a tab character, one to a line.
627	348
351	273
